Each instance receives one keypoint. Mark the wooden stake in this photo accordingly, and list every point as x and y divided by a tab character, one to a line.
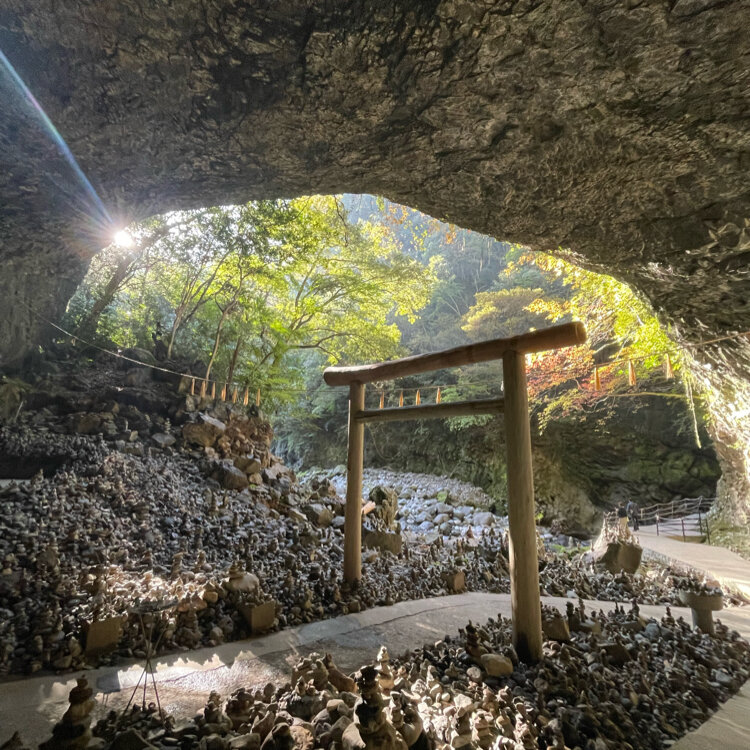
234	395
213	390
524	564
353	509
438	396
631	372
668	370
246	397
257	398
224	392
203	389
418	399
401	399
382	399
597	380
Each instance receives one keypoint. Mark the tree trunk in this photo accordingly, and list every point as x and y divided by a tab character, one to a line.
217	340
90	323
172	334
235	357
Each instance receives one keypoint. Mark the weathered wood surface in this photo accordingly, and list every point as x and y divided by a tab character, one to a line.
524	565
354	465
432	411
556	337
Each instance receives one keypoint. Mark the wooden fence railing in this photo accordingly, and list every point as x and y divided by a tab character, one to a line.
524	565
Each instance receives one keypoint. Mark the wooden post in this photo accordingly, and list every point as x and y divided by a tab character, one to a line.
524	564
192	387
354	465
246	397
234	395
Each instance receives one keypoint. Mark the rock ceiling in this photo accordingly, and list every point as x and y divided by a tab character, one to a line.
616	128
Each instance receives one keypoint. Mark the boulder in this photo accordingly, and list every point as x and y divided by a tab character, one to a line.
555	628
139	355
278	471
382	540
103	636
496	665
85	423
621	556
385	500
455	581
230	477
249	464
319	514
260	617
137	376
204	431
484	519
11	396
241	582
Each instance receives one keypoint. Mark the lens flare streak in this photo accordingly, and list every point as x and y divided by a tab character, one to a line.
56	137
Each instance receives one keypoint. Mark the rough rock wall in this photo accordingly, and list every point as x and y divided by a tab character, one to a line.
617	128
641	448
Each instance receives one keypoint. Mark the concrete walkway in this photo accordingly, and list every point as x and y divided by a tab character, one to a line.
33	705
728	568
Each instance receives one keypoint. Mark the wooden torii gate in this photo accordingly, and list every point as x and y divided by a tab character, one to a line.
524	564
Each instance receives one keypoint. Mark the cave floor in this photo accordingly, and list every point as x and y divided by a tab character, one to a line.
727	567
185	680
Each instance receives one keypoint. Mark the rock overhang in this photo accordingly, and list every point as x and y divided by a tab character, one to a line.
616	129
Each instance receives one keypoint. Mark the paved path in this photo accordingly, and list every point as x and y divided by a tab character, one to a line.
33	705
728	568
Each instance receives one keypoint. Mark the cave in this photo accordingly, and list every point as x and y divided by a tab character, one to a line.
611	132
615	130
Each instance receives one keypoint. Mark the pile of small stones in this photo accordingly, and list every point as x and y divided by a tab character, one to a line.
652	584
176	523
610	681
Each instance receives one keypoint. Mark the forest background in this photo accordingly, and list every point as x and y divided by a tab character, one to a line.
267	294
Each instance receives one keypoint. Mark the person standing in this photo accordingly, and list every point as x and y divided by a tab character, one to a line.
622	518
632	510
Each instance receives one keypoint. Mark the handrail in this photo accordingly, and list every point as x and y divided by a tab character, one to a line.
555	337
664	515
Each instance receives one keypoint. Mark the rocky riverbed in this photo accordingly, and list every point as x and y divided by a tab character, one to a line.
429	504
606	681
148	509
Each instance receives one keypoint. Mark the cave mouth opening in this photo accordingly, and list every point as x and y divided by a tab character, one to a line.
402	283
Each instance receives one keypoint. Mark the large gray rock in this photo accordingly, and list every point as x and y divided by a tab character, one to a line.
204	431
382	540
386	505
621	556
321	515
230	477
